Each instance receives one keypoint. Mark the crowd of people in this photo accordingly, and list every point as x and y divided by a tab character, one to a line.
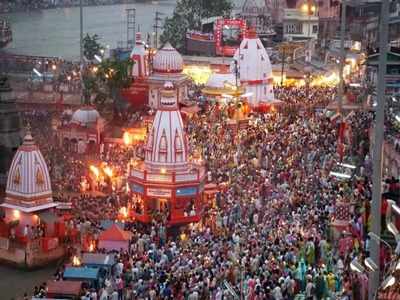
304	97
268	232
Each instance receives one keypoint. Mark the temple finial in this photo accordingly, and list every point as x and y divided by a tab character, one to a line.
28	135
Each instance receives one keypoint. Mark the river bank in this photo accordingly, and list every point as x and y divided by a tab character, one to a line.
35	5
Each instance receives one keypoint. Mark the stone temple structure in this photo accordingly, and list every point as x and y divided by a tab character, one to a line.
167	182
10	128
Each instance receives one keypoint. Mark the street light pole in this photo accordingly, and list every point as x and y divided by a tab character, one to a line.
81	46
342	58
378	146
283	64
81	30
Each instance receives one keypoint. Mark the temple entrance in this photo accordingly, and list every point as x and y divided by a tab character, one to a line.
74	145
66	144
91	147
159	206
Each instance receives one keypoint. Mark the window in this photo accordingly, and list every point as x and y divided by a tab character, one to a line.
290	28
295	28
315	29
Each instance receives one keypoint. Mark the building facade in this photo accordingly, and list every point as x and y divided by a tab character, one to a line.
299	25
392	76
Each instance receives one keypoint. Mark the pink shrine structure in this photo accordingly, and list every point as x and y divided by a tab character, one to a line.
167	182
28	205
83	133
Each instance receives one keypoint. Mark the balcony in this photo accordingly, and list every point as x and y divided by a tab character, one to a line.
195	173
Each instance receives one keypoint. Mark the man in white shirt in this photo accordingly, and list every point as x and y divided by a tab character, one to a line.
277	293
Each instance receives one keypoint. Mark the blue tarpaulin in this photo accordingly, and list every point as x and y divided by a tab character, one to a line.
81	273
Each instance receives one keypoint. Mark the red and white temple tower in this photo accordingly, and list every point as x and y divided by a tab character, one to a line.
140	58
137	94
167	183
28	191
255	70
167	66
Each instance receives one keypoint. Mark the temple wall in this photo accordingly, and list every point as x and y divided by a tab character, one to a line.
23	218
30	258
13	257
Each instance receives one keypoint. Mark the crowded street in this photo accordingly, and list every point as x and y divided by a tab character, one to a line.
200	150
268	231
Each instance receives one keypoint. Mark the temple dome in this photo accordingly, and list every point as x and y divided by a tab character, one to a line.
85	116
167	60
28	182
167	142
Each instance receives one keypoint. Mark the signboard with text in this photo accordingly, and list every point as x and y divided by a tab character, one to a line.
154	192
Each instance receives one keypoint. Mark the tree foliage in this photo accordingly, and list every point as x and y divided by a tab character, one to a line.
106	80
91	46
188	15
115	73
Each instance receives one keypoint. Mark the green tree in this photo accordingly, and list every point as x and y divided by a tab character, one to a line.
91	46
106	80
188	15
90	85
114	75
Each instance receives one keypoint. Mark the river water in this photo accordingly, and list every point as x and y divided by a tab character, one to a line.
55	32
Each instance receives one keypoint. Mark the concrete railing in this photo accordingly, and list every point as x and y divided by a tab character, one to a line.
173	177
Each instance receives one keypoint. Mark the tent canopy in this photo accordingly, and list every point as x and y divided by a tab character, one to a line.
64	287
114	233
98	259
81	273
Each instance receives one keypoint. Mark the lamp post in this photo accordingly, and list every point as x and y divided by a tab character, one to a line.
81	46
342	57
377	151
283	65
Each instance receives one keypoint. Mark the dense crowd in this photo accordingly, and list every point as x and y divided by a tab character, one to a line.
267	235
304	97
